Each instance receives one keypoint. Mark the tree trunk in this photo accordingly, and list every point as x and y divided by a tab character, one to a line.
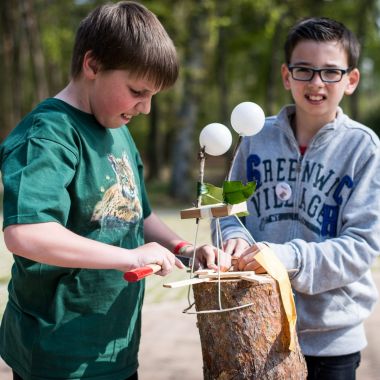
248	343
221	74
193	68
365	8
7	117
272	84
35	47
155	146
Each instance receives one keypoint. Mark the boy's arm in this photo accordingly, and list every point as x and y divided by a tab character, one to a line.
156	230
51	243
340	261
335	262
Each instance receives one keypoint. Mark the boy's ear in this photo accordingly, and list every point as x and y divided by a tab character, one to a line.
353	81
89	66
285	74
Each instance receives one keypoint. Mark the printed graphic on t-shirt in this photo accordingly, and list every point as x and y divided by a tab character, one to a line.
316	193
120	203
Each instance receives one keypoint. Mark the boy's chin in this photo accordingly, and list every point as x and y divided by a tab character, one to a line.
113	126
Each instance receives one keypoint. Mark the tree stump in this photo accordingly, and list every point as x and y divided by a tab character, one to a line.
247	343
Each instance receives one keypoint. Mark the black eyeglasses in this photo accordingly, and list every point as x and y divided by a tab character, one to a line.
305	74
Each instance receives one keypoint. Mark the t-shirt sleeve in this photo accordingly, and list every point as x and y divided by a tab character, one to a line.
36	176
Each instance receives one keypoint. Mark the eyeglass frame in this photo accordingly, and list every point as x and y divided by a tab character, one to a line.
319	71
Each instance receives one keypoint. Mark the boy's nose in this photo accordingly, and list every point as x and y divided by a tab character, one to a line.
144	106
316	79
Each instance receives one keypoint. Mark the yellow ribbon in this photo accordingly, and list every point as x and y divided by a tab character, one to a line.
269	261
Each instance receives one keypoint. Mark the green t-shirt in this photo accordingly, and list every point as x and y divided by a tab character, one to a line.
60	165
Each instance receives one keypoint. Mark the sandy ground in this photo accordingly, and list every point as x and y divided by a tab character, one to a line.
170	346
171	350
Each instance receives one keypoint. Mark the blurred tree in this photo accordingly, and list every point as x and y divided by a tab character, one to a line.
22	53
363	27
161	120
193	65
154	144
229	51
10	101
33	36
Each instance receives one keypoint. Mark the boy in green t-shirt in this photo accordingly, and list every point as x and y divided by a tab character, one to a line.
76	214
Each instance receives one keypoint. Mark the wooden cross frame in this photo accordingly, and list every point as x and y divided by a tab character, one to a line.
217	210
206	275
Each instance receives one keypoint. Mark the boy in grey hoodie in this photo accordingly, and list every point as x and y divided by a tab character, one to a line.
317	202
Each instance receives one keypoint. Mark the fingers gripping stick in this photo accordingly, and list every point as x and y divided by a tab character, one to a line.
139	273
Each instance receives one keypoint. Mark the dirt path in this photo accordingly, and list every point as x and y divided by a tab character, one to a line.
171	350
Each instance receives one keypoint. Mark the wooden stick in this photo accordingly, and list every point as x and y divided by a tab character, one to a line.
190	281
262	279
202	158
204	271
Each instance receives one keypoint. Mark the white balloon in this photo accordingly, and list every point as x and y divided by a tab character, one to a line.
247	119
216	138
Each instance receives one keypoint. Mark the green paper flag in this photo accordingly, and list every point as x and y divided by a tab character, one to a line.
232	192
211	194
235	192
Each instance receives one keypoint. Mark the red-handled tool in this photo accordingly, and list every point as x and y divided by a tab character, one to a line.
139	273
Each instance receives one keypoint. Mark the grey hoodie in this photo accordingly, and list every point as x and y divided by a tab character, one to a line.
329	228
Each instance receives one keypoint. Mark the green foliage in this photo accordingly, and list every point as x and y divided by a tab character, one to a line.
243	43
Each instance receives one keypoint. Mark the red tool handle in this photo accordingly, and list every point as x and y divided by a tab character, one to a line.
139	273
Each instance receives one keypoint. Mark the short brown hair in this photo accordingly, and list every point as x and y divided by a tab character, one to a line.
127	36
323	29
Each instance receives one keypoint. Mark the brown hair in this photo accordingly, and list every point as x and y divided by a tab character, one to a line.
321	30
127	36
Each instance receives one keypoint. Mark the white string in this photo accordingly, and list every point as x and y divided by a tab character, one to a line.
193	261
216	311
219	244
246	230
234	155
212	197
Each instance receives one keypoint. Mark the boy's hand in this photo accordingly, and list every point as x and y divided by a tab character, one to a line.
206	257
235	247
247	261
154	253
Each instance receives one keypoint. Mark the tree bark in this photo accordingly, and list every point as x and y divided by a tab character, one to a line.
35	47
248	343
365	8
274	62
155	150
7	116
183	152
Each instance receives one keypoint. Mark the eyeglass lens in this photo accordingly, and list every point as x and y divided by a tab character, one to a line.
307	74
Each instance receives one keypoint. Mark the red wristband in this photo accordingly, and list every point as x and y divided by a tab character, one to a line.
179	246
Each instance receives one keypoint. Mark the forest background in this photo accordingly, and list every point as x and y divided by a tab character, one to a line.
230	52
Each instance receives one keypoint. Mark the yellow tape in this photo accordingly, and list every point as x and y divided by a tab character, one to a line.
269	261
